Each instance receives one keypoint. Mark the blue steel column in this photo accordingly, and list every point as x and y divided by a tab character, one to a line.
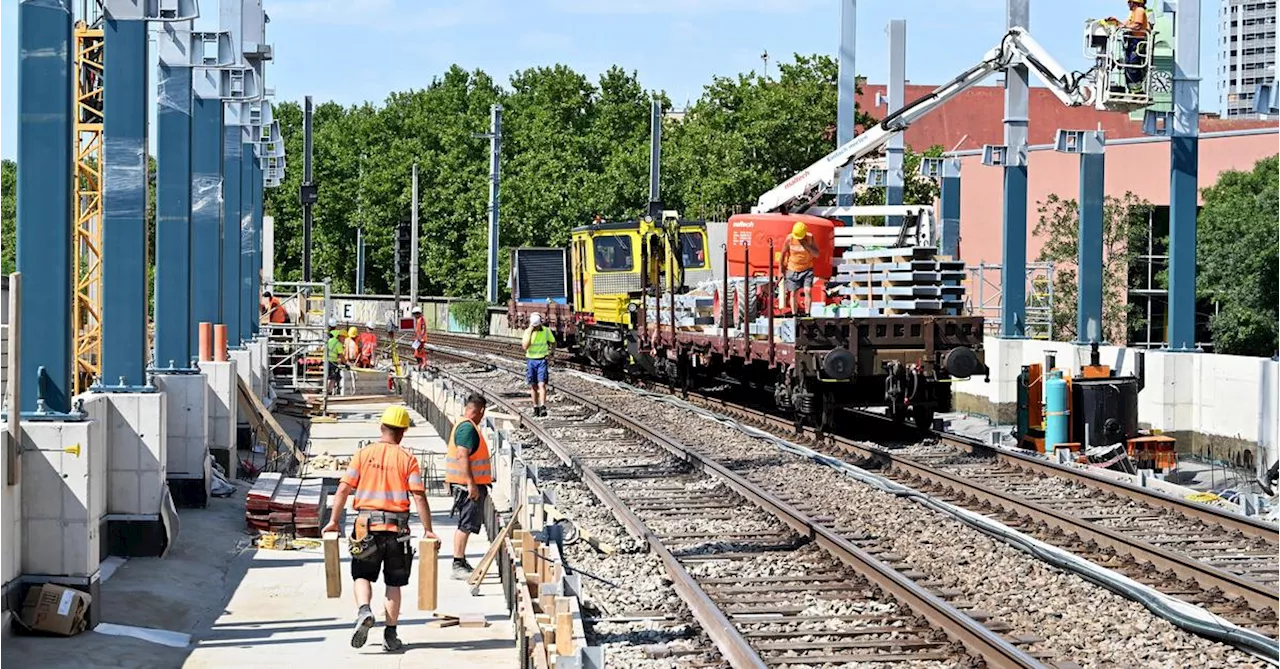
950	206
1183	183
847	85
897	30
258	241
206	214
124	205
44	200
231	149
173	219
248	305
1089	246
1013	270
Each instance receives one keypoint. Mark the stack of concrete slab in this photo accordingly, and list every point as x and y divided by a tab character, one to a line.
898	281
257	508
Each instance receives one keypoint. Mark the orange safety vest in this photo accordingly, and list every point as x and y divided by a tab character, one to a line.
420	329
1138	15
799	259
276	312
455	469
368	344
383	475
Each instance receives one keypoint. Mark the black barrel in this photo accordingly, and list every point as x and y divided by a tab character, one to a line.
1108	406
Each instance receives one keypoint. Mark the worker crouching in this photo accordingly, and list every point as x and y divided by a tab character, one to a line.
381	480
469	473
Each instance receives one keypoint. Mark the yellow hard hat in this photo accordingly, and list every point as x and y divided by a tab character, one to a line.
396	416
799	230
352	331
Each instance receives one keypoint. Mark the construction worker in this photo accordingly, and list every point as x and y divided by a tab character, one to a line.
381	478
798	255
419	338
1138	26
368	341
538	343
333	355
350	347
469	474
272	309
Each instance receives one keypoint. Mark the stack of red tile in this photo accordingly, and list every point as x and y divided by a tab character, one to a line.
282	505
308	509
257	506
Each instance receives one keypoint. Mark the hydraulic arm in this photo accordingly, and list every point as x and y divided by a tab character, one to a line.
1074	89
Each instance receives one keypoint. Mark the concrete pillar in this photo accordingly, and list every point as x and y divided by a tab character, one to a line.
187	427
44	189
222	410
950	205
896	88
124	204
1184	180
64	479
174	327
206	212
136	438
1013	269
231	233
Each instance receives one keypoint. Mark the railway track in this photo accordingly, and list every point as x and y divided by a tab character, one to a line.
1197	553
771	584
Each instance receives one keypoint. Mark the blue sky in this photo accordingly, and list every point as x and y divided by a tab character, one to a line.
357	50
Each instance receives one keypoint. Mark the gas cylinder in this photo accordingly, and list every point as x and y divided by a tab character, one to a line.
1056	419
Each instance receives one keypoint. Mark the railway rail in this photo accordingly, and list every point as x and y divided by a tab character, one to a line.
1200	554
771	584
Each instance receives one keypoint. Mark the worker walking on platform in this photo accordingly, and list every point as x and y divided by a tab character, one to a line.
798	256
381	479
419	338
469	473
1134	42
538	343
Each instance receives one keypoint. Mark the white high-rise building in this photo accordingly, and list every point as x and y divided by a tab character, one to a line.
1246	52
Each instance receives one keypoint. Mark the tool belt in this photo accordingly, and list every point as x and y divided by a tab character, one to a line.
364	544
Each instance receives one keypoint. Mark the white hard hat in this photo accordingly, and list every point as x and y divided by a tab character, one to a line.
369	325
333	322
416	310
535	318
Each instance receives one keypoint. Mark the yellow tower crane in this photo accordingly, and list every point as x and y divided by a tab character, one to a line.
87	242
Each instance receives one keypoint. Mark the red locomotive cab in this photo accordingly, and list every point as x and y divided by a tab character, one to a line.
749	235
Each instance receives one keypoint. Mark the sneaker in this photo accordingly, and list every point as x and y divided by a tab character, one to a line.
391	643
461	570
364	622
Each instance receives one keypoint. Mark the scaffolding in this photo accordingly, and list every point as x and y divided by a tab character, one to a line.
985	296
295	349
87	241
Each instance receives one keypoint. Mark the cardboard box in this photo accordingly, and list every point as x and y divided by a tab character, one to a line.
55	609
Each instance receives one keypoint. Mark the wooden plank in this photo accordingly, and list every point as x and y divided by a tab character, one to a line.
564	627
428	554
332	566
477	575
265	416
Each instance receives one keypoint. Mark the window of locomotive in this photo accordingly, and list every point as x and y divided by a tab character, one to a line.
613	253
692	250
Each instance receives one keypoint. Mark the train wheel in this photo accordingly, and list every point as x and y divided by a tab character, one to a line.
922	416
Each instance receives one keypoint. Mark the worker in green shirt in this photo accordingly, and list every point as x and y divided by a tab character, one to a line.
333	355
538	343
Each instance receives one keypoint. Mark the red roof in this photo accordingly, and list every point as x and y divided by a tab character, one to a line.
974	117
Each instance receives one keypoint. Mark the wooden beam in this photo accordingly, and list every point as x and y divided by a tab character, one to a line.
428	556
332	565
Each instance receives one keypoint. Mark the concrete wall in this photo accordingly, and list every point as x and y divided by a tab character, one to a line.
187	449
63	500
222	408
1225	405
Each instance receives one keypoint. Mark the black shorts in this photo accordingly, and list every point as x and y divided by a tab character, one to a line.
395	559
470	511
335	372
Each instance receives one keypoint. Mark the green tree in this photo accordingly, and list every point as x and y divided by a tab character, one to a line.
9	216
1237	259
1123	223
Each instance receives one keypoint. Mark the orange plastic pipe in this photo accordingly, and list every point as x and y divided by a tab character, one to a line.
220	342
206	342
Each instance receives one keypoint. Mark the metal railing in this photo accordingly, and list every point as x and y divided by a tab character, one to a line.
292	345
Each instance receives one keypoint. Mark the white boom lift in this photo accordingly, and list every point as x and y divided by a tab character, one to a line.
1102	87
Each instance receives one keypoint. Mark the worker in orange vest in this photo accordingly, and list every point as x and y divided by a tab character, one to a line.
271	308
368	341
419	338
382	478
798	255
1138	26
469	473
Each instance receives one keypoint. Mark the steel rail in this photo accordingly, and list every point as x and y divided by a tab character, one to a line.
731	644
1258	595
982	642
